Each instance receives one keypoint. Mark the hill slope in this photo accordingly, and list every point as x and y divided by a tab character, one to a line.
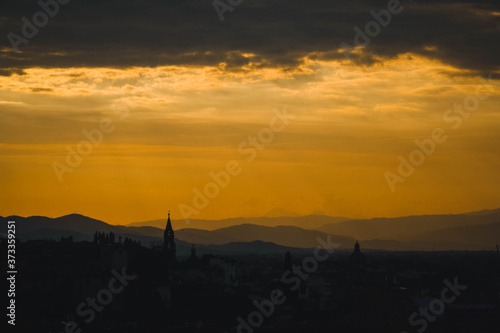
483	236
405	228
434	232
306	222
282	235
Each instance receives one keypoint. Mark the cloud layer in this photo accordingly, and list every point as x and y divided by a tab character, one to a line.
257	33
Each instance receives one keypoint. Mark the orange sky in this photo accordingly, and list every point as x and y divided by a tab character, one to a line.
182	122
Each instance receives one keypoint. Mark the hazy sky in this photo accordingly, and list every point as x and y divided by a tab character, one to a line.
183	91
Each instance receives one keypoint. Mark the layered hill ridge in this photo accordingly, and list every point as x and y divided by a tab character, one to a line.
407	228
306	222
281	235
470	231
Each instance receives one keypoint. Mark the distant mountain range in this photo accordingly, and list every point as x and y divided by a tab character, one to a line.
281	235
470	231
484	212
307	222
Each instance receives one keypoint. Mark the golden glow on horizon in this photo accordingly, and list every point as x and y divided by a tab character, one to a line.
351	124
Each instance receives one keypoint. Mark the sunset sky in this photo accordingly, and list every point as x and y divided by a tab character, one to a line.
183	90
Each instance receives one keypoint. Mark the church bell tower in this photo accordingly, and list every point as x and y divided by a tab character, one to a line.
169	242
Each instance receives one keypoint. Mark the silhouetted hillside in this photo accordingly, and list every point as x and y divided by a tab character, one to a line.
405	228
306	222
484	212
431	232
282	235
82	228
80	224
485	235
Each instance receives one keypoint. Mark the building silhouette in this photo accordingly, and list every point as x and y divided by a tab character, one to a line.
357	267
169	242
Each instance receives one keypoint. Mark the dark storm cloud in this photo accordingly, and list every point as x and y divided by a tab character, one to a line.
278	33
41	90
11	71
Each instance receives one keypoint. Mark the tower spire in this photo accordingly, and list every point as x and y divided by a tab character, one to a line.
169	224
169	241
